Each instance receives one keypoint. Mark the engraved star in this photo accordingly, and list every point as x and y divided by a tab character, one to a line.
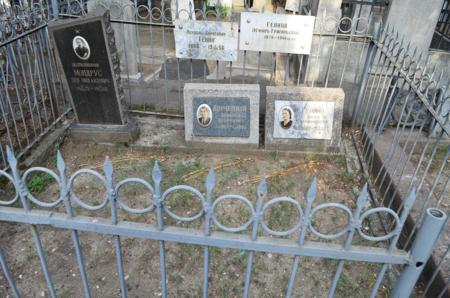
77	31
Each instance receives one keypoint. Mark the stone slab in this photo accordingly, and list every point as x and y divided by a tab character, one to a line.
206	40
228	105
320	129
281	33
117	134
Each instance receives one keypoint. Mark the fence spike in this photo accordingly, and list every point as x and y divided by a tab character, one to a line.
362	198
409	202
210	180
312	191
11	158
60	163
262	188
108	169
156	173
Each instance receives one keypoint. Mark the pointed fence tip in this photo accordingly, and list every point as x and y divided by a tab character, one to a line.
107	166
312	191
210	179
262	188
156	172
60	164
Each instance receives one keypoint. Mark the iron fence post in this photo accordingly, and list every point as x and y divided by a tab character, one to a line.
55	10
365	72
421	250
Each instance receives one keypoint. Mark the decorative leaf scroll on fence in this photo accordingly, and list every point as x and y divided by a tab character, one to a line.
214	232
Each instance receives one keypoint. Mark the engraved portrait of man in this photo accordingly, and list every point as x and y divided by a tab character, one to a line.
204	115
81	48
286	117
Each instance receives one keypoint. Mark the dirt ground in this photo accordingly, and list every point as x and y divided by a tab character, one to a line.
234	174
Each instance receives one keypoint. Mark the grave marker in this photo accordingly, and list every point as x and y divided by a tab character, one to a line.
303	118
86	52
268	32
222	114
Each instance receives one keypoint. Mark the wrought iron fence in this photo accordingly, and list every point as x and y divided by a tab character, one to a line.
149	65
255	235
403	132
32	99
441	38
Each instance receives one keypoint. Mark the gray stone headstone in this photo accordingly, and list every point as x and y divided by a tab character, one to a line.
221	114
126	35
303	118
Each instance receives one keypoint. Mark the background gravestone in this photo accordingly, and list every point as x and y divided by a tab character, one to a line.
315	116
86	52
126	35
221	114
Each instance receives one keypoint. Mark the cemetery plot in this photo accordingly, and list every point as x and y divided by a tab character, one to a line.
240	175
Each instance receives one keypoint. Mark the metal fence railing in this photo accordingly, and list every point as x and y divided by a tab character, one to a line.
31	96
254	236
150	67
441	38
402	130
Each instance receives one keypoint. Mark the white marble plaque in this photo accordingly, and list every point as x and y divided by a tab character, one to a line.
303	119
206	40
268	32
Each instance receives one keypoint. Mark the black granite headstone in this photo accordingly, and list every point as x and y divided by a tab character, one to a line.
88	56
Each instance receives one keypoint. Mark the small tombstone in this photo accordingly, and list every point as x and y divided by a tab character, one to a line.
304	119
221	114
86	52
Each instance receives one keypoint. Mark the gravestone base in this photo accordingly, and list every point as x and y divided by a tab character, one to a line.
297	138
115	134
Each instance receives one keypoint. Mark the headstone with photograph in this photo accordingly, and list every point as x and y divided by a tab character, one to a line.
304	118
86	52
221	114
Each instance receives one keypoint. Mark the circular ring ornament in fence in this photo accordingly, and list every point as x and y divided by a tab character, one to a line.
30	195
183	14
167	12
330	21
75	8
238	198
144	9
341	232
379	210
190	189
122	204
359	21
159	14
77	199
16	196
295	228
344	21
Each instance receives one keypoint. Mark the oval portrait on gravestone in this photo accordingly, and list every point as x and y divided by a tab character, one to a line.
204	115
81	47
286	117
